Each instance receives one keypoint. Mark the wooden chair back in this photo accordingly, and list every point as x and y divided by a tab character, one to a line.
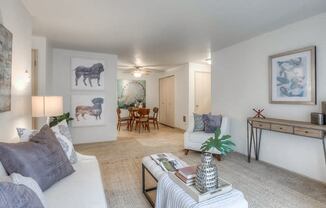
119	113
143	112
155	110
131	113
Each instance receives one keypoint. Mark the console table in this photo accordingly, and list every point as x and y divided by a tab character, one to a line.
255	126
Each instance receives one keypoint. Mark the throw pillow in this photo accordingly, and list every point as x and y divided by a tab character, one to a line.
42	158
198	122
63	128
25	134
18	196
63	135
61	132
212	123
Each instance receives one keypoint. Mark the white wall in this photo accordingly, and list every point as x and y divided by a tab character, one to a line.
181	74
44	69
193	68
16	19
62	86
240	83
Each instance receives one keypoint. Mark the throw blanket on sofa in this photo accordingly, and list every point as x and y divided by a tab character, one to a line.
170	195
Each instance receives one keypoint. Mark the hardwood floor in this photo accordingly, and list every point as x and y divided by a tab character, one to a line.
264	185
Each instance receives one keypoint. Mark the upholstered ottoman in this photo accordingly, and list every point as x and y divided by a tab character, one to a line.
171	195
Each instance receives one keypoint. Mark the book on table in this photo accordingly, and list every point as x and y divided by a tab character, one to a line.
188	172
185	180
223	187
166	162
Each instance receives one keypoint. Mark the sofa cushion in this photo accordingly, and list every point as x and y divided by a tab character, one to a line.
212	123
18	196
199	137
83	189
42	158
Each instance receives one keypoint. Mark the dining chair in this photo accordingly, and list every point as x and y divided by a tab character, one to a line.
143	119
154	118
122	120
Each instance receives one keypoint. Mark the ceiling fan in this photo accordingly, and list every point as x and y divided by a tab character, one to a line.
136	71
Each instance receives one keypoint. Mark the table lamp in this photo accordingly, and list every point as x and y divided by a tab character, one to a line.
47	106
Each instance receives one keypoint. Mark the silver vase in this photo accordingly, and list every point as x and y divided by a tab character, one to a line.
206	175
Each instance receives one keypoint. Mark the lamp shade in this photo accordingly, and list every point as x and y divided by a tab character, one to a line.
46	106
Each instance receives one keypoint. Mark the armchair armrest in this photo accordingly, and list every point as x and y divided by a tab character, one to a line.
225	126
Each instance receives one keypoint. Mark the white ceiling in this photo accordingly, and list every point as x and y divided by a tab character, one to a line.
161	31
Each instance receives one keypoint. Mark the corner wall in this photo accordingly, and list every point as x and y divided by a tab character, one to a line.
61	85
240	82
181	74
17	20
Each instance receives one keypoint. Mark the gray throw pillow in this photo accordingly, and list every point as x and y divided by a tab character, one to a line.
42	158
212	123
198	122
18	196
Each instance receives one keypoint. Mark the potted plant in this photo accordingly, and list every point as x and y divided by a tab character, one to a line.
223	144
206	175
57	119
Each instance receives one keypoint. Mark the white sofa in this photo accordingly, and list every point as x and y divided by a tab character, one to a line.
194	140
82	189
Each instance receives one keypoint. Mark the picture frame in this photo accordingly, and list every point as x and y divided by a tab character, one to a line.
292	77
6	40
88	110
131	93
87	73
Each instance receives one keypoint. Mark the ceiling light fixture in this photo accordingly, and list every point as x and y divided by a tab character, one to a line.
208	61
137	73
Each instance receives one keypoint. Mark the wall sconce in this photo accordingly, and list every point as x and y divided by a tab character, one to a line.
22	80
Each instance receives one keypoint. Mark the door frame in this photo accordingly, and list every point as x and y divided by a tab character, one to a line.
34	79
195	86
159	98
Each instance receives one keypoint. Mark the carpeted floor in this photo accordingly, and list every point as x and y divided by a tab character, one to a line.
263	185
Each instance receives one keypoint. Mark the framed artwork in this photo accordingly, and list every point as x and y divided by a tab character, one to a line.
131	93
293	77
88	110
5	68
87	74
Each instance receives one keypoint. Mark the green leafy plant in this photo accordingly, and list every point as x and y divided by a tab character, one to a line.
222	144
57	119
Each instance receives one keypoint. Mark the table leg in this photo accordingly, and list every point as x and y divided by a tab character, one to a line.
258	143
248	129
324	146
252	140
145	191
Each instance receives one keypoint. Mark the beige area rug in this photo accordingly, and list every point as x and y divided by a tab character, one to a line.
263	185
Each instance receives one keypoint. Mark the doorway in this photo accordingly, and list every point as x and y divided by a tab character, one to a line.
34	80
203	95
167	106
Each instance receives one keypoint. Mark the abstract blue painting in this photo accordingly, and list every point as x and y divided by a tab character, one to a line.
5	68
293	77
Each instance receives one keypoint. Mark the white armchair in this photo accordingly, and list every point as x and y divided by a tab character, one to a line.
194	140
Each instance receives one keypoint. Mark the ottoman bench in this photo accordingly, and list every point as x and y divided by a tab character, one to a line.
171	195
